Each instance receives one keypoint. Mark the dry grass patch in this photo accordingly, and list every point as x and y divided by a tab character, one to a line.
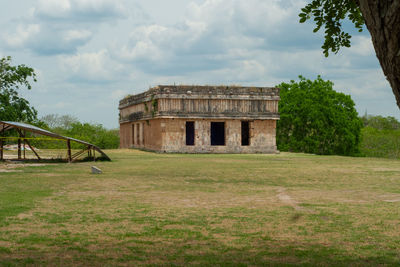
171	209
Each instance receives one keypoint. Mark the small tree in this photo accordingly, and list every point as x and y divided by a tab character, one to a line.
13	107
317	119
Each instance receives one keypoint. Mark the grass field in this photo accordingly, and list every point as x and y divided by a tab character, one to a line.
226	210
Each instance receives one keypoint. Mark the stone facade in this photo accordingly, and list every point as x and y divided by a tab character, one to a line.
201	119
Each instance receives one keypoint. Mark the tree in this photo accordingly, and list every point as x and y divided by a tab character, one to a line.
382	19
380	123
64	122
314	118
13	107
95	134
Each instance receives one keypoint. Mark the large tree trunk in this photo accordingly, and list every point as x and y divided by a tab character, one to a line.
382	18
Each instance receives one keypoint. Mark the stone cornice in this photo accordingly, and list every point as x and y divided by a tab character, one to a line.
136	116
202	92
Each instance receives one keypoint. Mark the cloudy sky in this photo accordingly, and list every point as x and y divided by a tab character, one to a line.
88	54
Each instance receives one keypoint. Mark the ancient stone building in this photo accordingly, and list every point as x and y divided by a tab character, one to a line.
201	119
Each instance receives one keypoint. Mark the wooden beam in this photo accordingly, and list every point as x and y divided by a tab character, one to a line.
1	149
19	148
32	149
26	140
69	150
77	154
5	128
24	146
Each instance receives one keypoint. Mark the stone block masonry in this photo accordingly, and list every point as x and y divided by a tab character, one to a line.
201	119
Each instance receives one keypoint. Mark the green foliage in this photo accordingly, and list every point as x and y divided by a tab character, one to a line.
380	123
70	126
331	14
95	134
380	137
13	107
314	118
383	143
154	103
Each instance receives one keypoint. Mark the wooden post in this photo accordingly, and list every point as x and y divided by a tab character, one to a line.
24	145
69	150
94	154
19	148
1	149
26	140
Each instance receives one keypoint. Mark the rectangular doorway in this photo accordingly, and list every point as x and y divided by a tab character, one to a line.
217	133
137	134
245	133
143	134
133	134
190	133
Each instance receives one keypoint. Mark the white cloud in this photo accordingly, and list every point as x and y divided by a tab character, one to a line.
362	46
211	36
79	9
62	26
74	35
22	35
113	48
95	67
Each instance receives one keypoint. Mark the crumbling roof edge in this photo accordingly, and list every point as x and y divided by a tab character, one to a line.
200	90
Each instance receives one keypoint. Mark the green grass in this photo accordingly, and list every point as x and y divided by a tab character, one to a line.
178	210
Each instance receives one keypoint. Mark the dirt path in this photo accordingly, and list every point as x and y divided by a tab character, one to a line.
11	167
288	200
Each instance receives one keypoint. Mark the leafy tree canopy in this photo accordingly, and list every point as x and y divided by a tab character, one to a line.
314	118
331	14
13	107
382	19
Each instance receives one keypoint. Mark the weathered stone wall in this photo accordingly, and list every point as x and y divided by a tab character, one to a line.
262	137
217	105
169	135
125	135
141	134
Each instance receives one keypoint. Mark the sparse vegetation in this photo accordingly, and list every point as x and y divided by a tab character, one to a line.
207	210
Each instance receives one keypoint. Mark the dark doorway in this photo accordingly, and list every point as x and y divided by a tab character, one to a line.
190	133
217	133
245	133
137	134
133	134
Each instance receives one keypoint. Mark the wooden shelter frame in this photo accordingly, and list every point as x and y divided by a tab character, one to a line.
22	128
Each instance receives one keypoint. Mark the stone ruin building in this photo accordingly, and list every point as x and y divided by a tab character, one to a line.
201	119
